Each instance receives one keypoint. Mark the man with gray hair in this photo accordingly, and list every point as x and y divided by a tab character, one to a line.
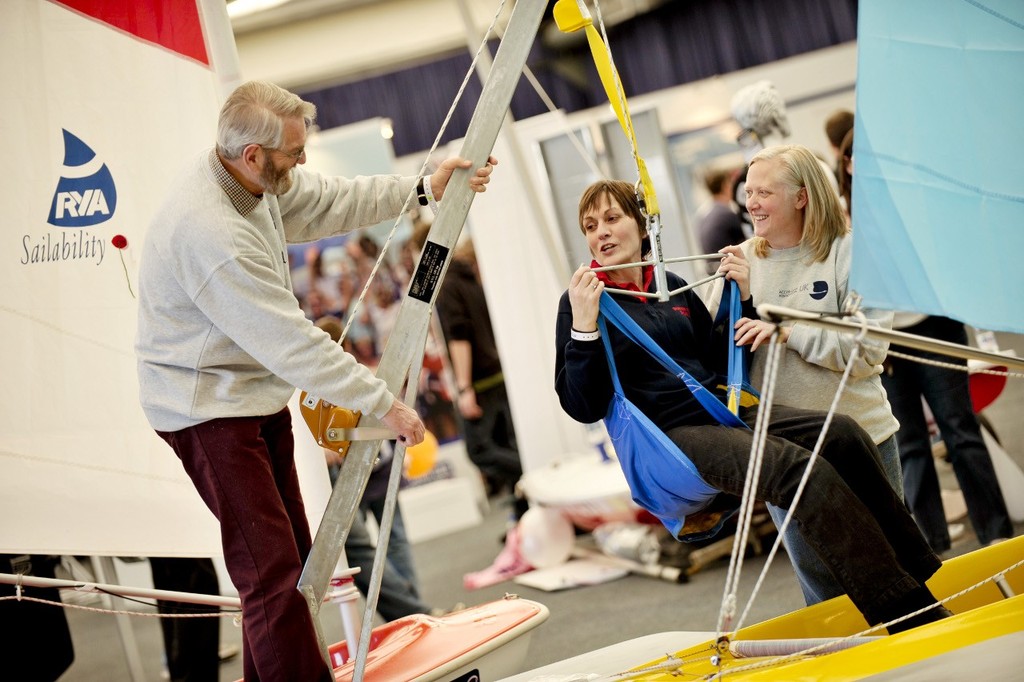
222	342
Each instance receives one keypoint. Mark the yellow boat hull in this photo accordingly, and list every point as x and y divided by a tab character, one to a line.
982	615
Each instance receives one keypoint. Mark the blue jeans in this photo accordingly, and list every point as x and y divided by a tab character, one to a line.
849	514
399	550
947	394
398	596
816	581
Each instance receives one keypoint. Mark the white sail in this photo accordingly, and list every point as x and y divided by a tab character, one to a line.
105	102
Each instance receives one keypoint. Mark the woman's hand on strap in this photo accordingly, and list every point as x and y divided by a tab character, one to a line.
735	267
585	298
756	332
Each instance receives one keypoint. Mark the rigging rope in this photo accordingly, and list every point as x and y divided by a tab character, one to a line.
675	663
959	368
236	615
409	198
728	606
753	473
803	482
736	560
811	650
571	16
570	133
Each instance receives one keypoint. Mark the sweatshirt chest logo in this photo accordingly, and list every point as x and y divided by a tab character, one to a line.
682	310
819	290
816	290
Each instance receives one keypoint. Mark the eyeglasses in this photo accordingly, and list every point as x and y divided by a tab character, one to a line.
294	156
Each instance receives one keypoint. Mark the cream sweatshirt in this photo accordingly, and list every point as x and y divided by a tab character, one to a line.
814	358
220	333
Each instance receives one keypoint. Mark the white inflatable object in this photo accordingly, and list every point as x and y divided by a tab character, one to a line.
585	488
546	537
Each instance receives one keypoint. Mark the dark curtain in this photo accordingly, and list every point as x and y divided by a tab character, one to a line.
680	42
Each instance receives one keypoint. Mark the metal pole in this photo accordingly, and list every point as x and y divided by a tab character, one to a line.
406	342
104	568
122	590
380	557
778	314
221	43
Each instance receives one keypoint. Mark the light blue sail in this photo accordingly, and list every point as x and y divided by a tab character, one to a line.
938	195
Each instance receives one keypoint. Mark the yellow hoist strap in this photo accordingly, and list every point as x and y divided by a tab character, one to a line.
571	16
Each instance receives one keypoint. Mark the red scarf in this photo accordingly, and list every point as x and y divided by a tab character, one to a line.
604	276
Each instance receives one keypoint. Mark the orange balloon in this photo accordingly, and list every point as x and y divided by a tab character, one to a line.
420	459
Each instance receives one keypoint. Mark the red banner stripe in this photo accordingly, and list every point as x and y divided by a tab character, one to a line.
173	24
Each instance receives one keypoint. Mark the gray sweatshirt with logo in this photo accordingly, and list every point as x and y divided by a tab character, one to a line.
814	359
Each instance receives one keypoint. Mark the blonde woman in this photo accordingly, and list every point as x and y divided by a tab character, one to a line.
799	257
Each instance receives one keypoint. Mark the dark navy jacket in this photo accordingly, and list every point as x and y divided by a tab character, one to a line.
682	326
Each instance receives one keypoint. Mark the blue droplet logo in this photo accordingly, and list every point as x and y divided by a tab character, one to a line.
85	194
819	290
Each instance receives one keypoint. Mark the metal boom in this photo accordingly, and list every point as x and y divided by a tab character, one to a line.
777	313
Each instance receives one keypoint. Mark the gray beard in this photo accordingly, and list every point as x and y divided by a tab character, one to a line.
274	181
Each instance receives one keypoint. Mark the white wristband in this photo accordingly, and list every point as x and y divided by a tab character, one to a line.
428	192
585	336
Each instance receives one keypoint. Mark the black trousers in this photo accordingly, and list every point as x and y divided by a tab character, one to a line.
491	439
36	636
191	644
948	395
848	513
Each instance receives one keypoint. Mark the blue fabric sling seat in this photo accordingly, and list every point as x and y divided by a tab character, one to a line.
661	478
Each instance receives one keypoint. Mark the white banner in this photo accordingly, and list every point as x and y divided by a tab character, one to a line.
100	113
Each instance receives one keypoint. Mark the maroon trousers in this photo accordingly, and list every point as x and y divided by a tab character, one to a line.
244	469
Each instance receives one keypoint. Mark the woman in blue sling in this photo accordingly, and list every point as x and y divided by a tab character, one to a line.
848	513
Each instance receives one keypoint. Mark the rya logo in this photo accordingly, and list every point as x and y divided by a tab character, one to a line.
819	290
85	192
